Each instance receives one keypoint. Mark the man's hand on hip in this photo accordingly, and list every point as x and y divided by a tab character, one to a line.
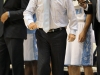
71	37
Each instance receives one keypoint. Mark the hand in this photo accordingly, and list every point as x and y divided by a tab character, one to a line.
82	36
4	17
71	37
32	26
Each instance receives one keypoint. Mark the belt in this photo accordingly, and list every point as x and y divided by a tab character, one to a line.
54	30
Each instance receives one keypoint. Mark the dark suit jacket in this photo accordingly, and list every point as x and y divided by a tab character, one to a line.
14	27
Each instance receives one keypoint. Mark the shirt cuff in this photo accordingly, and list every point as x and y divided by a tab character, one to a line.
86	9
73	32
29	21
8	14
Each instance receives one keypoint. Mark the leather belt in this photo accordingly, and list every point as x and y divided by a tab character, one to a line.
54	30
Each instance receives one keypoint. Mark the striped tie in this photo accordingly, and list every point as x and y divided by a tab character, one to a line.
46	24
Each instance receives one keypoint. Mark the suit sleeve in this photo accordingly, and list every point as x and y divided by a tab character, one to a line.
18	14
90	9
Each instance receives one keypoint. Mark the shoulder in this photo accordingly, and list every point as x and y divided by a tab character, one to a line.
90	9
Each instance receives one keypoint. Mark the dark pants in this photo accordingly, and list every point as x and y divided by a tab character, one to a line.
97	38
11	50
51	46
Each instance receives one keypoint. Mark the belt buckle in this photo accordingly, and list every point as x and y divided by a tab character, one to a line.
53	30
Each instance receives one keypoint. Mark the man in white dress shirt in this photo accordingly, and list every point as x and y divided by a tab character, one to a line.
52	19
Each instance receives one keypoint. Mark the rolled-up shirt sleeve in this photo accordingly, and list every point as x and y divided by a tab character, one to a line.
73	25
28	13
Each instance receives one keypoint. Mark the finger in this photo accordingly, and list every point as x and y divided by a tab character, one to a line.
31	28
80	40
2	21
71	39
83	39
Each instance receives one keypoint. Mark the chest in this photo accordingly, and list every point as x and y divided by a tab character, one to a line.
79	12
52	3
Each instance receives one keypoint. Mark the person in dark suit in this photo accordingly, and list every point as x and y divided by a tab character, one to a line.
94	8
12	34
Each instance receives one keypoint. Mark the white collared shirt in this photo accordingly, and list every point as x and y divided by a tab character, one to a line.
61	12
